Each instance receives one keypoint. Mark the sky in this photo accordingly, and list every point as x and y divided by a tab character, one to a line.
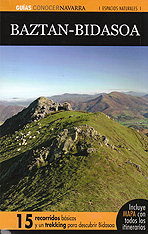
33	71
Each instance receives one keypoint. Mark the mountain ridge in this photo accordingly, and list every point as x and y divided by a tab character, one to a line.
63	160
8	111
116	104
121	107
34	112
73	99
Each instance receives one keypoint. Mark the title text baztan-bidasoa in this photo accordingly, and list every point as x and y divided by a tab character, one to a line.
76	29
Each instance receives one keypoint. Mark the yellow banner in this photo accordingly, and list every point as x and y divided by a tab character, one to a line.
75	5
58	220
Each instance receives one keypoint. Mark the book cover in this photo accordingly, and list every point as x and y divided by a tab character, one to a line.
74	116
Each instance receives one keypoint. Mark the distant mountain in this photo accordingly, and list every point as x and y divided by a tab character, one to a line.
8	111
14	106
20	104
117	105
74	97
132	93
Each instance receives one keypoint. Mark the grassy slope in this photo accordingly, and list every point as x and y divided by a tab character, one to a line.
100	181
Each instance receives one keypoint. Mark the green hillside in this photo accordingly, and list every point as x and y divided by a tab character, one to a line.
73	161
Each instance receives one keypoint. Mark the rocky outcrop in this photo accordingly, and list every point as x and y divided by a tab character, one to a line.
74	140
34	112
43	106
81	140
